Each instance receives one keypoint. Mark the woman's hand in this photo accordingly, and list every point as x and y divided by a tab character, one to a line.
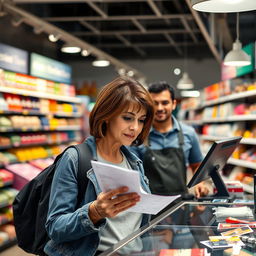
110	203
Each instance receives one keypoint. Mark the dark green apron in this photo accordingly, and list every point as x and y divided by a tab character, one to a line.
166	169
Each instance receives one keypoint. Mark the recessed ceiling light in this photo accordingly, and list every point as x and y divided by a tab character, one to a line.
70	49
176	71
101	63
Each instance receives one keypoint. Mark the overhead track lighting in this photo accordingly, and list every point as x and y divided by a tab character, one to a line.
70	49
223	6
185	83
100	63
85	53
237	57
121	71
53	38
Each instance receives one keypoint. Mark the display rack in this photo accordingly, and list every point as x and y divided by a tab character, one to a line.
7	195
216	119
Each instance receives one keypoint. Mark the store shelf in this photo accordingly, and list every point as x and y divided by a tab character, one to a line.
248	188
66	128
40	94
39	144
248	141
242	163
234	118
229	98
36	113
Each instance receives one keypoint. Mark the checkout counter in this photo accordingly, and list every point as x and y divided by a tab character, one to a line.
179	230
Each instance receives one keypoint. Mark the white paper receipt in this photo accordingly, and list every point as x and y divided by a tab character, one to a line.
111	177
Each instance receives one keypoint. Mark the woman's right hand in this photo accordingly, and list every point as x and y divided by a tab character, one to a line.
109	204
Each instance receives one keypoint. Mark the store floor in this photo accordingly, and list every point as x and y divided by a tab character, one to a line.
14	251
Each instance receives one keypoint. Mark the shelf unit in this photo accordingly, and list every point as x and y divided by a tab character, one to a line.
4	220
247	119
71	128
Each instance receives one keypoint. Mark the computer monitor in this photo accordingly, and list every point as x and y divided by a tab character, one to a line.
213	162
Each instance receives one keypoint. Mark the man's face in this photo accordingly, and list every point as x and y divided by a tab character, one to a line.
164	105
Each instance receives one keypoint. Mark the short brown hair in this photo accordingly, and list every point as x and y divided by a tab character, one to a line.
113	99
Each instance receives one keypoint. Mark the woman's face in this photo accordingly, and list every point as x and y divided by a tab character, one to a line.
125	127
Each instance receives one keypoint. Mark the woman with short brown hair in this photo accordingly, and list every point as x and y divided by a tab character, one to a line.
122	116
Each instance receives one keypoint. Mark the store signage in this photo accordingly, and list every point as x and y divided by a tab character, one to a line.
228	72
47	68
13	59
249	49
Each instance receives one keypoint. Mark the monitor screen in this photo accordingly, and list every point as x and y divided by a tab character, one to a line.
214	162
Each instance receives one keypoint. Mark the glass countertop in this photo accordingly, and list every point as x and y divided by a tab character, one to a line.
179	231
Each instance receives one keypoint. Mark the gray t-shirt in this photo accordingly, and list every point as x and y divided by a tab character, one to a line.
122	225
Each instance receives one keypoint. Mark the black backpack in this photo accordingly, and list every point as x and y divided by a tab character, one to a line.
30	206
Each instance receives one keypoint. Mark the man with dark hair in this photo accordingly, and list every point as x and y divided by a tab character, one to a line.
171	148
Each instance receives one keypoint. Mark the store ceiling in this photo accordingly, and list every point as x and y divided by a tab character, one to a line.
145	28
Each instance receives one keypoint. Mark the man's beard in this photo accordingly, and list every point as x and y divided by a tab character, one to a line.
162	120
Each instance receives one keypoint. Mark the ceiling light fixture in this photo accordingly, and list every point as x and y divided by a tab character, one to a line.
121	71
223	6
237	57
70	49
185	82
100	63
85	53
53	38
190	94
130	73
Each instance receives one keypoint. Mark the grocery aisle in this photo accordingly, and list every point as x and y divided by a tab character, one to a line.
14	251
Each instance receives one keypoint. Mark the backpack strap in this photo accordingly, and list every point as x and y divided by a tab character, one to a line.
84	164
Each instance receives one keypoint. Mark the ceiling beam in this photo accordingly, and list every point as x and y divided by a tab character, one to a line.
35	21
117	18
89	26
139	26
154	8
78	1
97	9
187	27
135	32
224	31
171	41
148	45
129	44
205	33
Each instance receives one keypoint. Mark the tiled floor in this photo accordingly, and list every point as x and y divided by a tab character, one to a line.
14	251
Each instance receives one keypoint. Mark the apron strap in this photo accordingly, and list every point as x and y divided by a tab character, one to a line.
180	136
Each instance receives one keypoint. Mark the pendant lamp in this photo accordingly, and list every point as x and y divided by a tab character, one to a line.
223	6
237	57
185	82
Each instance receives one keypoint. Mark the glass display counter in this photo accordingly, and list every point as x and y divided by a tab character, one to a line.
180	230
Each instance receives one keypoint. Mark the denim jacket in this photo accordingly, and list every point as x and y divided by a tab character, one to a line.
71	231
